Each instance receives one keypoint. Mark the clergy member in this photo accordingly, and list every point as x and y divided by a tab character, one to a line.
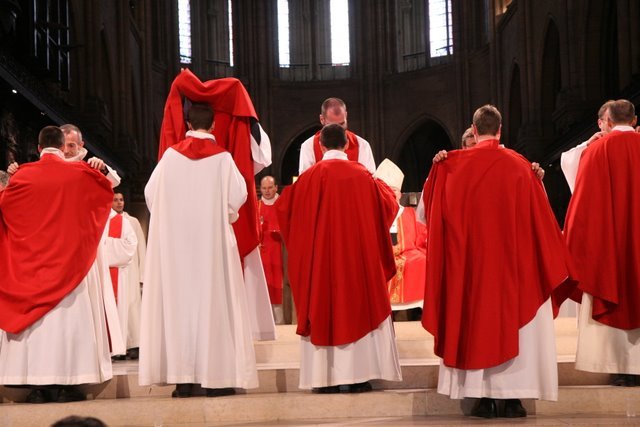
120	249
52	305
136	274
195	326
495	258
335	222
334	111
239	132
406	289
603	233
271	244
570	160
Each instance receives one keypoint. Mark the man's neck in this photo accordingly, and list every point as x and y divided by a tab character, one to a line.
481	138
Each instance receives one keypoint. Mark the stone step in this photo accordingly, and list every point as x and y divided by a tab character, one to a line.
279	407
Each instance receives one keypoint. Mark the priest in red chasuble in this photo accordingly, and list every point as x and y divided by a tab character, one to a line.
603	233
52	292
496	260
335	223
271	244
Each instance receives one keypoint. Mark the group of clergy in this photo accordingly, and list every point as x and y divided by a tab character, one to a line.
492	272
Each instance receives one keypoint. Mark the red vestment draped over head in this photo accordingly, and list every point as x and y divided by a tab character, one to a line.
234	116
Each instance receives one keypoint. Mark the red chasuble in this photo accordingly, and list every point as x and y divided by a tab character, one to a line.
53	215
115	231
411	254
271	250
352	151
603	228
495	254
335	222
234	114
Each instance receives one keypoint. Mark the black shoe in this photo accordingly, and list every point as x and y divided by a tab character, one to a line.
513	409
625	380
118	358
359	387
485	408
217	392
133	353
326	390
182	390
70	394
38	395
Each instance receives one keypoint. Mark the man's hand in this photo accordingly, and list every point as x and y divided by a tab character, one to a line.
12	168
440	156
97	164
595	136
535	167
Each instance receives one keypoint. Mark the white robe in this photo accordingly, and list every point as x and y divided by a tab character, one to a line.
70	344
531	374
373	356
308	157
569	163
136	274
112	174
195	324
120	252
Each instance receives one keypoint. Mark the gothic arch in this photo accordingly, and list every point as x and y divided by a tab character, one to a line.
290	158
414	153
601	50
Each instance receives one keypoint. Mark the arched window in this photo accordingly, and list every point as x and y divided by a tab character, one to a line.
313	39
184	30
425	33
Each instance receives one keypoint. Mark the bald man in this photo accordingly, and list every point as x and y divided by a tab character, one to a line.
271	244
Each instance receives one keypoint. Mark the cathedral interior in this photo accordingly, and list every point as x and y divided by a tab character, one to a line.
410	71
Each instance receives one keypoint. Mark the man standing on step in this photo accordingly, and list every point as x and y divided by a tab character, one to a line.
52	293
495	258
335	222
135	275
603	234
195	320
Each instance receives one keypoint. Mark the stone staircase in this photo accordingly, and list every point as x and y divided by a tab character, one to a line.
122	402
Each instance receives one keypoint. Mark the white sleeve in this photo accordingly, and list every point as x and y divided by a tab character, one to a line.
142	244
365	155
307	156
113	176
237	191
151	188
569	163
261	153
120	251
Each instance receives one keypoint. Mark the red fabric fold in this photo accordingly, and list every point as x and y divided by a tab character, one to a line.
197	148
335	223
495	254
602	228
53	215
352	150
233	114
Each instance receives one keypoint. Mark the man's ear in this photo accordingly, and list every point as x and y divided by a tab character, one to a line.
40	149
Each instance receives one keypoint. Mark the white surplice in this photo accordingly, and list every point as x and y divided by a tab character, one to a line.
569	163
308	156
136	274
195	325
120	252
533	374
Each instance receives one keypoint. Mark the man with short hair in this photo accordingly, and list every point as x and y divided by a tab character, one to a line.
334	111
339	266
570	160
135	272
603	236
53	304
488	294
195	326
271	244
